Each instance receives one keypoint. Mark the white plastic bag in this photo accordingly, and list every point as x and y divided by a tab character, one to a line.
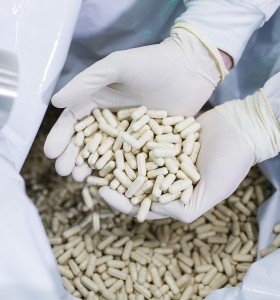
260	61
39	33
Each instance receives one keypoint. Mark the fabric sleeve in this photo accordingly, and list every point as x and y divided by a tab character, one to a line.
229	24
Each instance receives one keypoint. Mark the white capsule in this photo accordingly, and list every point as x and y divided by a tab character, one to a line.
110	130
94	143
155	145
166	129
137	125
102	161
98	115
91	129
94	180
168	138
172	120
185	158
189	143
179	186
84	123
144	138
157	172
209	276
129	172
79	160
157	191
121	189
171	165
167	181
157	161
138	112
190	171
114	184
79	139
184	124
169	197
228	267
136	200
119	157
151	166
156	128
87	197
171	283
194	127
129	139
117	144
144	209
108	168
93	159
145	188
131	160
106	145
124	113
135	186
164	153
195	151
110	117
141	163
122	178
156	114
186	195
85	153
126	147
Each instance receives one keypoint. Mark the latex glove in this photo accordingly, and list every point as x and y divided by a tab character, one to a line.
234	136
178	75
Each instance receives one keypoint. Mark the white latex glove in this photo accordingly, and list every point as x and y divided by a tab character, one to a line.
234	136
178	75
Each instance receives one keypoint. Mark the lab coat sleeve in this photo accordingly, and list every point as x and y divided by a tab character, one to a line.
229	24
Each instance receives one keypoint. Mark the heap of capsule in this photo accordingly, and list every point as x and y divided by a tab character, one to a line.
141	153
102	254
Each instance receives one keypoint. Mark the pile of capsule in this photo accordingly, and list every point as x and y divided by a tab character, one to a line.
141	153
102	254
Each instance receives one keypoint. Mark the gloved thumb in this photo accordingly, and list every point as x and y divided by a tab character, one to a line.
87	83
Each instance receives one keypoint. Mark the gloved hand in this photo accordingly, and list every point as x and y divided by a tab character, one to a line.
234	136
178	75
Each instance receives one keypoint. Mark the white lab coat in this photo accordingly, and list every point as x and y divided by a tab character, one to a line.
102	27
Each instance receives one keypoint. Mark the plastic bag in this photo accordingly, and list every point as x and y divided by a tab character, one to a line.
260	61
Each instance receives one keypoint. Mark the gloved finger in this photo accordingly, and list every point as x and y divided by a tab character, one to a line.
87	83
175	209
65	163
122	204
63	130
60	135
80	173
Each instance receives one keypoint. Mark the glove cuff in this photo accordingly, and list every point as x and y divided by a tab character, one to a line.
254	119
208	45
228	24
272	91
